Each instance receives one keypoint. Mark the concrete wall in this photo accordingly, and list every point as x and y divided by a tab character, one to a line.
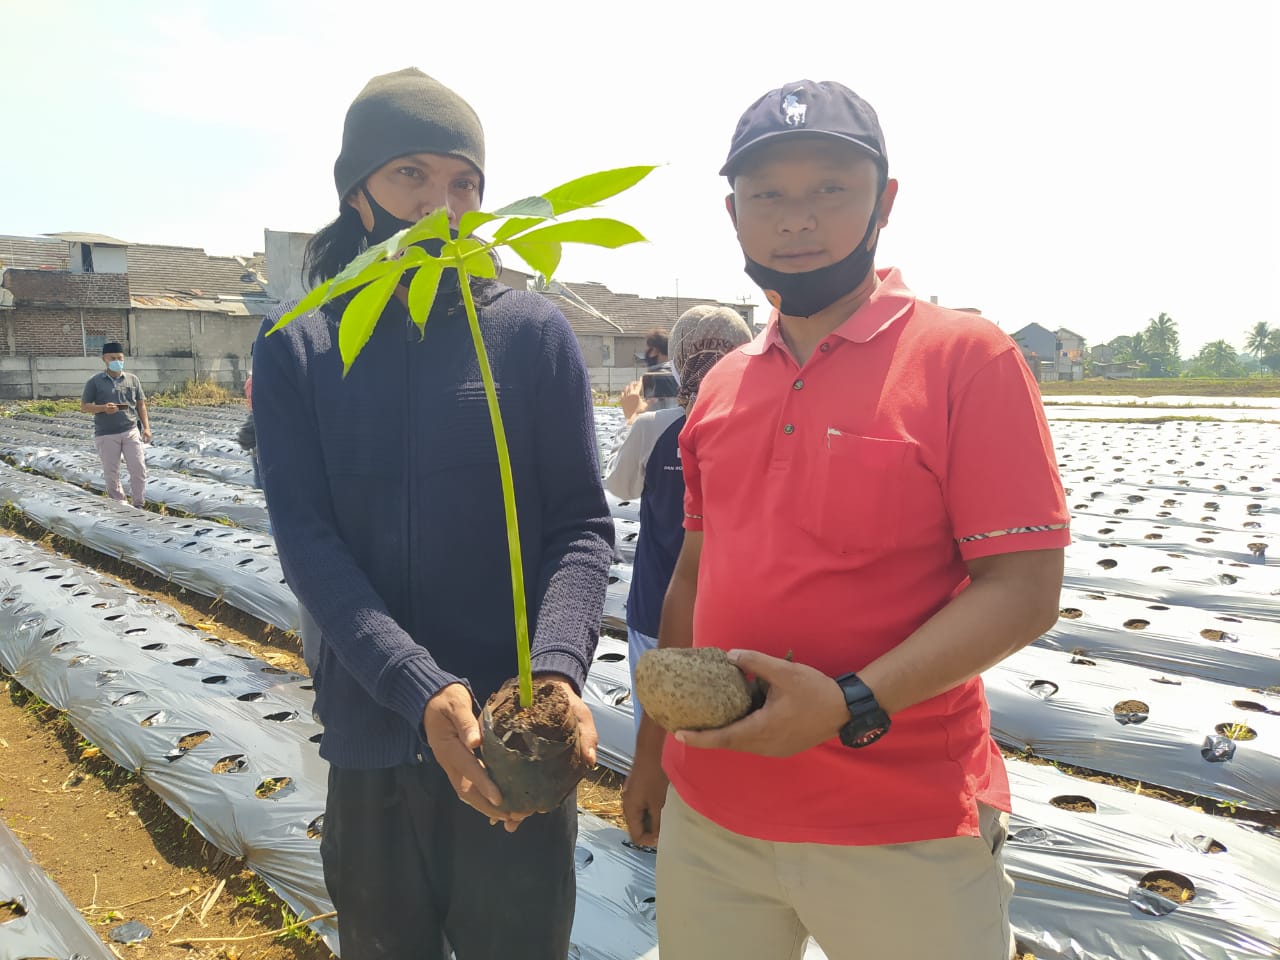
284	252
189	333
613	379
57	377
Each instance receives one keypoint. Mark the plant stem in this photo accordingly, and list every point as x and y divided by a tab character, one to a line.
508	496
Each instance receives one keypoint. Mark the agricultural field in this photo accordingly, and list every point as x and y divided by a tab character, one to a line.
161	769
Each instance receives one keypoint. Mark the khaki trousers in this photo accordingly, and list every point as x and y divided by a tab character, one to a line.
721	894
129	446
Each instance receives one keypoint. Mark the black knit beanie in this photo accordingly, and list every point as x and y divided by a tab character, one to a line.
401	113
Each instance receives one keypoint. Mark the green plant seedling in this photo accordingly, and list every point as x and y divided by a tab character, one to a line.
532	230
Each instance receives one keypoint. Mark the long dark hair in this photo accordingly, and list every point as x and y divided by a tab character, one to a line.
333	246
336	244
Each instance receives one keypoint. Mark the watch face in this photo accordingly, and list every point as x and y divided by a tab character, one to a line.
870	737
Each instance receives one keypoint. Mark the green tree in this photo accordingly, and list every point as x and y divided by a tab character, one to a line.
1256	344
1218	360
1163	346
1271	352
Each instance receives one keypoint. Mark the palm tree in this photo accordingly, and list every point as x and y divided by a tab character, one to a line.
1257	342
1163	343
1271	351
1130	349
1217	359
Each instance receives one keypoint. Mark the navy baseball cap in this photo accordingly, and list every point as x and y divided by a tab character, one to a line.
824	108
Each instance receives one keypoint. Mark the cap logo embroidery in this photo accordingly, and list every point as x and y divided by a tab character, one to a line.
793	110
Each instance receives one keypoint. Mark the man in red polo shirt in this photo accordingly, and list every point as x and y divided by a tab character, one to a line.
872	492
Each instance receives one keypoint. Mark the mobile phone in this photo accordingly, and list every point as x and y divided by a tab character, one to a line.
659	385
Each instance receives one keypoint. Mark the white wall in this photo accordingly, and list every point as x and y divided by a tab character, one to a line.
57	377
285	253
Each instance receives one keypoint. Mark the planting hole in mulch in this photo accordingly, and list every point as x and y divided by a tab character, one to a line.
1080	660
1094	596
1162	569
1172	886
1252	706
284	716
1137	624
1218	636
1199	843
230	764
315	829
611	658
153	719
1107	564
1044	689
11	910
1236	731
193	739
271	786
253	697
1167	681
1131	712
1075	803
1156	606
1154	536
1070	613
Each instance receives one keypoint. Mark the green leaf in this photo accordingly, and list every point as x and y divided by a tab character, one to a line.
332	289
473	219
422	291
528	207
480	264
543	256
516	225
594	187
434	226
598	231
361	316
376	253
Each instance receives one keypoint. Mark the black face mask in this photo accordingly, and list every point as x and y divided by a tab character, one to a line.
806	293
386	225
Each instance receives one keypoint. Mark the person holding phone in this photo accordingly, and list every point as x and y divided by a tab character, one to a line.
655	390
120	423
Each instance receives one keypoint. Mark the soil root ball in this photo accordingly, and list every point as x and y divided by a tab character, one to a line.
692	689
531	754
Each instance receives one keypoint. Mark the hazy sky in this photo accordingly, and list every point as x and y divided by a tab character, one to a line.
1085	165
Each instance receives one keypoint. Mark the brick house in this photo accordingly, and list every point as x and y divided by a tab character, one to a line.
64	295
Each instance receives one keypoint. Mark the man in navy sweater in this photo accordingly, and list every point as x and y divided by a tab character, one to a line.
387	508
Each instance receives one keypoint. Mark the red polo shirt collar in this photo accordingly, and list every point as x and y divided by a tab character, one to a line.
889	302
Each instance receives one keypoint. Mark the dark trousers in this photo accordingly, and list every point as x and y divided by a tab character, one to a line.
412	870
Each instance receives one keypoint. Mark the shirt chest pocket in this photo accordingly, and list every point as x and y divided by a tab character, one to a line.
854	499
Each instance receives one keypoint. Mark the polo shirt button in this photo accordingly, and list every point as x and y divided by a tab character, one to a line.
798	385
825	347
789	428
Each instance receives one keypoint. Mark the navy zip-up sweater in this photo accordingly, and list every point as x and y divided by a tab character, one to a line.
387	509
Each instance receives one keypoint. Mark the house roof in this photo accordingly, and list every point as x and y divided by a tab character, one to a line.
33	253
161	271
1070	333
98	239
635	315
1030	327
